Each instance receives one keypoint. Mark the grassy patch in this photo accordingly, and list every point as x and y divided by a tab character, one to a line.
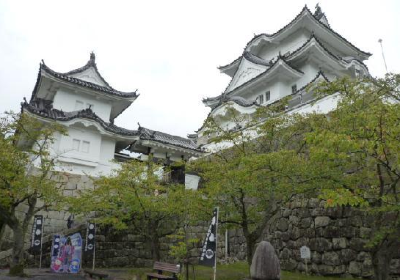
237	271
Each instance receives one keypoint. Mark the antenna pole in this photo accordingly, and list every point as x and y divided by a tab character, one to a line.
383	55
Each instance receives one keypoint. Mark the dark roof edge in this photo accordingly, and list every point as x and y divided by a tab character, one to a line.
317	21
280	58
59	115
91	63
221	68
86	84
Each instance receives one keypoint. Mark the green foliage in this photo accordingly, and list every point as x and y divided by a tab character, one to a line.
25	160
26	177
356	148
256	174
134	197
182	245
350	156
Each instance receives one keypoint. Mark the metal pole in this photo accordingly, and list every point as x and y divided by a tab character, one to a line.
383	55
41	245
305	259
216	245
94	249
226	243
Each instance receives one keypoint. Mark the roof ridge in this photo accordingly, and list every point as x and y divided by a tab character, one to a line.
306	9
87	113
319	42
91	63
320	73
224	94
83	83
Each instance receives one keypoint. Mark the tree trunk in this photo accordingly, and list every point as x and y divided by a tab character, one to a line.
2	232
250	249
17	260
155	248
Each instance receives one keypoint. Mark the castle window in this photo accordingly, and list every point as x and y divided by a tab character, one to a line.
268	96
294	88
76	144
85	146
260	99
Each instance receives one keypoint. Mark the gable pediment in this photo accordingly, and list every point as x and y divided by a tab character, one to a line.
90	75
246	71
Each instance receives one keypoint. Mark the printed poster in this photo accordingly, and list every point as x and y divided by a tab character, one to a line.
66	253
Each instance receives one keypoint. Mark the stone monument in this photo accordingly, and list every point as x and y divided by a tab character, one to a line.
265	264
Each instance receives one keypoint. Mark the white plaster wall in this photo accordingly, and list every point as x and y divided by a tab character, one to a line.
67	153
310	70
66	100
107	150
322	106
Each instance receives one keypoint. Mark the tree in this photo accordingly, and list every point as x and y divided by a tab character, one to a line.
356	148
260	171
134	197
25	175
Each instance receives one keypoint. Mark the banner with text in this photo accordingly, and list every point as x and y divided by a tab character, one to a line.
209	249
37	231
90	237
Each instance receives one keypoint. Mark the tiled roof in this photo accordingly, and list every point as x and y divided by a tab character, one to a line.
255	59
305	9
44	108
229	64
279	58
90	63
79	82
313	37
224	96
317	16
148	134
319	74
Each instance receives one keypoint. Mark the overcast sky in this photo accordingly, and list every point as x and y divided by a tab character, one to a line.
168	50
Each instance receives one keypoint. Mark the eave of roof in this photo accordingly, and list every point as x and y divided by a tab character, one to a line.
48	112
314	39
320	74
82	83
89	64
306	11
59	115
148	134
229	65
280	62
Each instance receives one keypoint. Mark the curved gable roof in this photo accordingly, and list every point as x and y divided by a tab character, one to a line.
306	12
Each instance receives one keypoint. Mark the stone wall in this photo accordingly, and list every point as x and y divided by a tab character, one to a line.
122	249
54	221
335	236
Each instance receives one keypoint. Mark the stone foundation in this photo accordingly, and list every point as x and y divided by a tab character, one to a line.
335	236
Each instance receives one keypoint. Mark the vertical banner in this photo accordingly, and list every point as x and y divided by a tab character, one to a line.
90	237
37	232
55	247
209	250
